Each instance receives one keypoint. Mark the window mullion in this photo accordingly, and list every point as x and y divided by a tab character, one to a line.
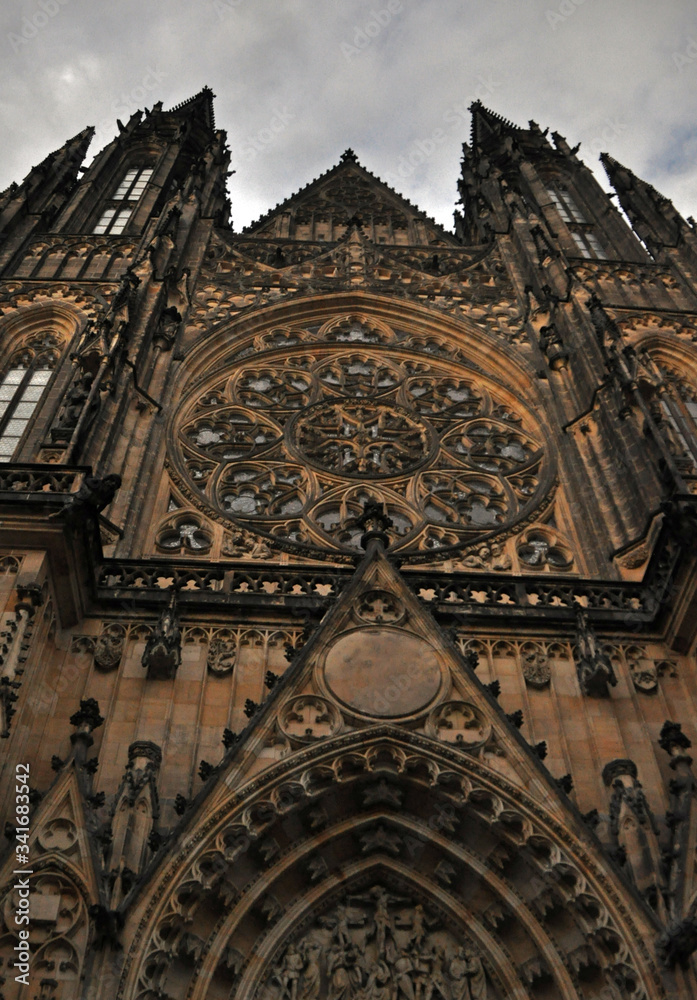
16	396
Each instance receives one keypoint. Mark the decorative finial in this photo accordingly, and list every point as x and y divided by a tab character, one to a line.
375	523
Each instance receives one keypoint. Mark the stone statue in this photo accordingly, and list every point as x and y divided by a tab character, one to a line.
458	972
95	493
379	985
162	653
477	979
312	975
75	401
403	969
593	665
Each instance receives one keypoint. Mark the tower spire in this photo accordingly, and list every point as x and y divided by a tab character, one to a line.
653	216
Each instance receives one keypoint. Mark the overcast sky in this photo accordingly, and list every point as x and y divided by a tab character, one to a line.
297	81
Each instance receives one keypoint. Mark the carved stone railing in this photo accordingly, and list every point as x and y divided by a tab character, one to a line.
221	583
626	604
538	599
44	479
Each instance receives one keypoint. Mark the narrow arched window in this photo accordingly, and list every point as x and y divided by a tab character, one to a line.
22	385
581	230
119	208
679	411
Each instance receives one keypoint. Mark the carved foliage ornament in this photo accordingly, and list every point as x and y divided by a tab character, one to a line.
293	441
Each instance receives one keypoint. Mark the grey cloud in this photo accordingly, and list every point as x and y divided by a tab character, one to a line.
615	75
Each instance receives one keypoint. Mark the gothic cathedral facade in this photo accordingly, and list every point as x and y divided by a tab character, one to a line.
347	580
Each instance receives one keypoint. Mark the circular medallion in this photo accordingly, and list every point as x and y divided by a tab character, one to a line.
383	672
362	439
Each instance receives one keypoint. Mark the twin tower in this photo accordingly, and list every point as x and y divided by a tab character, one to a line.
348	602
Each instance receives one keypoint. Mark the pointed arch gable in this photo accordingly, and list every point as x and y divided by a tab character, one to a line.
471	839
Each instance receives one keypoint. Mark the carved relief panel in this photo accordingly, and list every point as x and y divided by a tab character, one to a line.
377	942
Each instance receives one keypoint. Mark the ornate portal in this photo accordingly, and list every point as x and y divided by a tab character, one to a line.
293	441
377	943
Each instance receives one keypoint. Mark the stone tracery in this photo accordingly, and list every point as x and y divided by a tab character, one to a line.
279	444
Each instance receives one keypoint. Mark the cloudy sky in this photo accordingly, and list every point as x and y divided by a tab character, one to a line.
297	81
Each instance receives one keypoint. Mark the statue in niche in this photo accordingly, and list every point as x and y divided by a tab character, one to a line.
75	400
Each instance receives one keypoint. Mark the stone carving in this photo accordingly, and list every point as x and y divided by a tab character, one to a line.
59	834
108	649
309	718
642	669
534	662
75	401
358	417
377	943
58	932
460	723
376	606
95	493
222	655
162	654
243	545
593	665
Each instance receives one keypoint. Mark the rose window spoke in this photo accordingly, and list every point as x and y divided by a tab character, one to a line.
265	388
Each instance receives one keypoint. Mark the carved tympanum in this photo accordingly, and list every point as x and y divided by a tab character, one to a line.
377	943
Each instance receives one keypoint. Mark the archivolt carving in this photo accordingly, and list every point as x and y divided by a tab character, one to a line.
469	844
278	445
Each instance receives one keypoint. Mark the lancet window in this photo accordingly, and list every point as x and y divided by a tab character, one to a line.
679	416
21	387
581	230
119	208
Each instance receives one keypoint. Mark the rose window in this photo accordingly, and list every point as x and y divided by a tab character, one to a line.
293	435
356	439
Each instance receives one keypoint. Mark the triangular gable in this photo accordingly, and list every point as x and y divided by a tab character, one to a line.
348	192
59	836
379	659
